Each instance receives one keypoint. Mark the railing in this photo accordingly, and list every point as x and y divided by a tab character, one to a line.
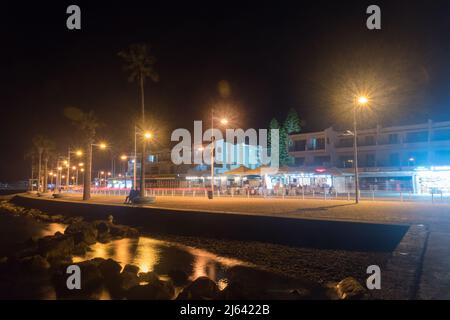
281	193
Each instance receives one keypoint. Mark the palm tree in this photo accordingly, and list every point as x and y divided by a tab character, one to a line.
49	153
87	124
31	154
43	147
140	65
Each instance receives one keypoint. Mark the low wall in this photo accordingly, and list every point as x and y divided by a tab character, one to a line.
354	236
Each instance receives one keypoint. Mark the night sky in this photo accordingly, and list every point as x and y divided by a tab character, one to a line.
274	55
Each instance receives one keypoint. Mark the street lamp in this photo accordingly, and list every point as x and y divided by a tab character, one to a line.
101	146
360	101
223	121
147	135
78	153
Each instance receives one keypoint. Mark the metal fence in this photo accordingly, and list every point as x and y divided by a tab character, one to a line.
370	195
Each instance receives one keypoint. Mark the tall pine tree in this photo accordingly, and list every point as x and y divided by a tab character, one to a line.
292	122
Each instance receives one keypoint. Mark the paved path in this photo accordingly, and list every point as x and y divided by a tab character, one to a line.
434	282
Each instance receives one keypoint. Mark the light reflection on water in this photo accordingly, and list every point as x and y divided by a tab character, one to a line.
161	257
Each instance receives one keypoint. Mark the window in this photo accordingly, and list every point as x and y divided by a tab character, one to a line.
317	144
320	144
393	138
345	143
299	145
412	137
370	160
394	159
442	157
299	161
369	141
345	162
417	159
443	134
322	160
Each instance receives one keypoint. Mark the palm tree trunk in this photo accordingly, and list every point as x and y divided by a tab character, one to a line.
87	172
45	174
32	172
39	171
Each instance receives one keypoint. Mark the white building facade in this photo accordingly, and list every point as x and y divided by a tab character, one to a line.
411	158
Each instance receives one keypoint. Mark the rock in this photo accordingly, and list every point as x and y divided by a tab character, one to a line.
71	220
91	280
35	265
80	249
234	291
102	227
42	217
120	231
128	280
56	246
349	289
130	268
157	290
57	218
110	269
91	277
202	288
148	277
82	232
179	277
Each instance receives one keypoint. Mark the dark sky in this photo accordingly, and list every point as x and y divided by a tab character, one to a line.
275	55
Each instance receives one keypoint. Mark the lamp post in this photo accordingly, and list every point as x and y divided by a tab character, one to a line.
79	153
361	101
146	136
87	182
224	122
124	158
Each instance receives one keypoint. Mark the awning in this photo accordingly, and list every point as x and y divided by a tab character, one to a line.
239	171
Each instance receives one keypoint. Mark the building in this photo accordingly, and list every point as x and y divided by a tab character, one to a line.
161	172
412	158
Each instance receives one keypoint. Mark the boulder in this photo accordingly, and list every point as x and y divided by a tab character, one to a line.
148	277
80	249
179	277
120	231
91	280
128	280
156	290
130	268
82	232
110	269
35	265
350	289
102	227
202	288
71	220
56	246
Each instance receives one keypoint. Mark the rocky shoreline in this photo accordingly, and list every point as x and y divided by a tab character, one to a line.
38	270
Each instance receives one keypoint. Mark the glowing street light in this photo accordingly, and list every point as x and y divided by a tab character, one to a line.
361	101
223	121
147	135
